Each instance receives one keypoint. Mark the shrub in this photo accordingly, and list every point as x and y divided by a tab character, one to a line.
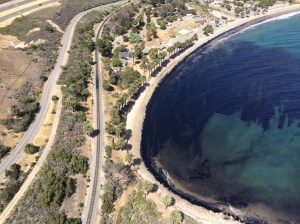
55	98
31	149
43	78
4	150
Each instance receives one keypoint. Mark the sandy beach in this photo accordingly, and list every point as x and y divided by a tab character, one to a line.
136	116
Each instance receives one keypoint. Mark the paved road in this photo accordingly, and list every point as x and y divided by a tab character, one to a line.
20	12
28	136
11	205
13	4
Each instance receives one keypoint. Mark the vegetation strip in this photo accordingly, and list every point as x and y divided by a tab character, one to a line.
54	182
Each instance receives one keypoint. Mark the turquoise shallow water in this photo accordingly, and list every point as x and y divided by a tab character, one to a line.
225	123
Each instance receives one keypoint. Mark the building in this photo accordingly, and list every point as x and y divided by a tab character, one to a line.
125	55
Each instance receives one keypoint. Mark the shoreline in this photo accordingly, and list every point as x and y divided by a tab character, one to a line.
186	201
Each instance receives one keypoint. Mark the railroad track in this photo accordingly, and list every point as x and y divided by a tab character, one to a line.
99	122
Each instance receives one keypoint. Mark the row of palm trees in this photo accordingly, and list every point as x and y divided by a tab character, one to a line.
156	58
148	63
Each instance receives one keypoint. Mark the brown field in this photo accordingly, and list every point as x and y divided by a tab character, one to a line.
19	76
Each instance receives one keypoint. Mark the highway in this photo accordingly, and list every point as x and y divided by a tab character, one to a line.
45	101
91	208
15	13
11	205
62	59
12	4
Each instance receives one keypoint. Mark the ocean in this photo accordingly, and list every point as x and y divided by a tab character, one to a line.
224	125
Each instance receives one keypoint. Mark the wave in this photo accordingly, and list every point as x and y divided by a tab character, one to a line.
282	17
252	27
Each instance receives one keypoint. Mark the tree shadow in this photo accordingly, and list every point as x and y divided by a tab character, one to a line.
137	162
95	133
155	188
128	134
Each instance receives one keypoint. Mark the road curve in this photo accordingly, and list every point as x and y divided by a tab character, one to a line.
62	59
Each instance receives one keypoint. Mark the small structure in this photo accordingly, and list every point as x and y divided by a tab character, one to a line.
224	18
124	62
125	55
248	5
161	47
146	51
183	32
200	20
170	43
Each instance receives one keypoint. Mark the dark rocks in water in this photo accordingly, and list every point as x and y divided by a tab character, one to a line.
254	219
238	201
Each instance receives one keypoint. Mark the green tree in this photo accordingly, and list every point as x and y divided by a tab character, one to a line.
138	50
55	98
153	53
145	64
88	129
110	128
167	200
81	116
228	7
129	158
105	45
116	62
15	111
170	50
14	171
176	217
128	77
120	130
147	187
72	101
208	29
134	38
161	56
4	150
31	149
106	85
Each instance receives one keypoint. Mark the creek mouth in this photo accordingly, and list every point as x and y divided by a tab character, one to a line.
222	129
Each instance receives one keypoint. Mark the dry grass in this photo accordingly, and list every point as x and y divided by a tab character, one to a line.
71	206
19	76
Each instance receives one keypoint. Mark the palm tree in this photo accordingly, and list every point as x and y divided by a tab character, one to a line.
167	201
87	129
131	91
125	98
129	158
14	110
177	46
145	64
72	101
120	130
119	103
147	187
161	57
170	50
176	217
143	79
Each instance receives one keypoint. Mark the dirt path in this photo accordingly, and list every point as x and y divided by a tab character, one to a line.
38	165
136	117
